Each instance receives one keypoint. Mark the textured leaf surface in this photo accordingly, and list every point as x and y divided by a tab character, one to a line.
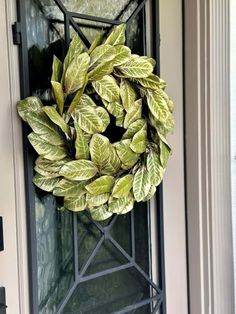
100	71
56	118
101	54
100	213
151	82
117	110
122	55
76	73
29	104
117	36
45	184
69	188
96	200
113	163
58	95
134	113
79	170
123	186
150	194
141	184
86	100
97	41
75	204
45	149
118	205
46	173
134	128
57	69
77	97
127	93
129	204
104	116
50	165
107	88
155	168
81	144
99	149
164	153
125	154
158	106
101	185
88	119
136	68
139	141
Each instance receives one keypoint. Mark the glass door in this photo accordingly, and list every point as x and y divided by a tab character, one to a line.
78	265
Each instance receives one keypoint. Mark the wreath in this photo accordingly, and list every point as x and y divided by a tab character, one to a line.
102	145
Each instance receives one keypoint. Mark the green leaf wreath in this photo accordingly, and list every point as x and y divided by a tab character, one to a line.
102	146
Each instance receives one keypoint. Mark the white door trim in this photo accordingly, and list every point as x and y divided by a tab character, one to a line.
207	127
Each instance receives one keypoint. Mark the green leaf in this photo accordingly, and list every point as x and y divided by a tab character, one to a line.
127	93
112	164
100	213
134	113
136	68
139	141
46	173
81	144
50	165
85	100
118	205
88	119
150	194
117	110
29	104
151	82
69	188
122	186
43	126
97	41
77	97
76	47
158	106
129	205
100	71
134	128
117	36
99	149
154	167
141	184
79	170
150	60
96	200
165	151
107	88
45	149
56	118
56	69
45	184
76	73
125	154
101	54
58	95
101	185
75	204
122	55
104	116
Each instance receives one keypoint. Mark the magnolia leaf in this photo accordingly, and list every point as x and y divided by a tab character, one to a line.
127	93
122	186
129	204
112	164
155	168
141	184
107	88
29	104
136	68
122	55
100	213
76	47
117	205
79	170
56	118
81	144
101	54
151	82
56	69
125	154
77	97
99	149
117	36
100	71
50	165
43	126
164	152
158	106
46	173
76	73
75	204
150	194
134	113
134	128
45	184
58	95
97	41
45	149
104	116
88	119
69	188
117	110
96	200
150	60
139	141
85	100
101	185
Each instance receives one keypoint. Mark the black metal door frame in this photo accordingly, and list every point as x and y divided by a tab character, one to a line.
21	39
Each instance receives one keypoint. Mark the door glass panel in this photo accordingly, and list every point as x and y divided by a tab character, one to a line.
85	266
